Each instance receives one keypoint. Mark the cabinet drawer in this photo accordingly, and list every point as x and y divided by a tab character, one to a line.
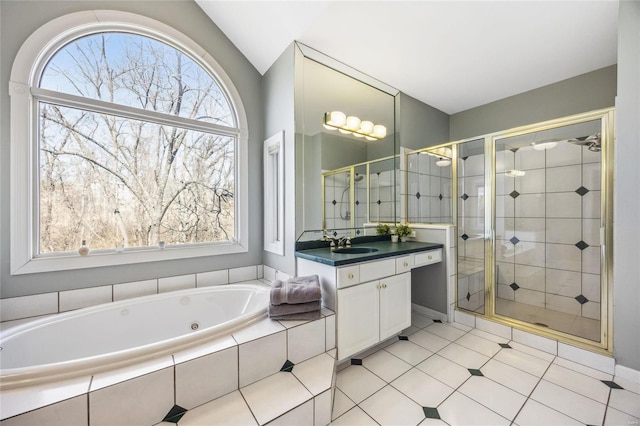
378	269
348	276
428	257
404	264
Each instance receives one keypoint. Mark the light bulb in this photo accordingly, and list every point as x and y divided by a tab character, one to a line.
379	131
336	118
358	135
366	127
443	162
369	138
353	122
346	132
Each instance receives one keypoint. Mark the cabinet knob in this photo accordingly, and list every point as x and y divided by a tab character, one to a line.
430	257
378	286
384	286
350	276
406	264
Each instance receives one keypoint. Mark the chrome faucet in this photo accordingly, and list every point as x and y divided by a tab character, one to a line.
331	240
335	243
344	242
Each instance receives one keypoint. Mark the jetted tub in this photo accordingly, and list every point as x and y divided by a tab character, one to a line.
117	334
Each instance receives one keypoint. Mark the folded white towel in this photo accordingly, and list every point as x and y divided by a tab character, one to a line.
296	290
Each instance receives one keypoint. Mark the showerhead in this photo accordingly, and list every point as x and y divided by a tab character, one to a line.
593	142
358	178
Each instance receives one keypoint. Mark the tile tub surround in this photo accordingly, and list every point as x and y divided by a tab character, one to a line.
22	307
457	375
251	360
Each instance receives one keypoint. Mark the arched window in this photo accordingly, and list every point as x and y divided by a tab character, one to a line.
135	144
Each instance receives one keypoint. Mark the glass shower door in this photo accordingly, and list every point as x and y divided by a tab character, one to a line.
471	225
547	228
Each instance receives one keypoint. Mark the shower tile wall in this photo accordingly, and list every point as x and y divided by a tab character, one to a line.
428	190
381	200
471	201
547	229
337	203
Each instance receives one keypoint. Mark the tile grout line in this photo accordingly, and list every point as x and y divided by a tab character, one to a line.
569	390
533	390
606	407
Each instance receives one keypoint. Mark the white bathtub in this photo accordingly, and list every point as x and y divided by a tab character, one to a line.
117	334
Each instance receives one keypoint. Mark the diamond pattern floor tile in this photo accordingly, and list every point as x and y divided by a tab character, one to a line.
390	407
431	372
358	383
386	365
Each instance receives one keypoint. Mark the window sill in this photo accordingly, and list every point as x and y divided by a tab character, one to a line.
100	259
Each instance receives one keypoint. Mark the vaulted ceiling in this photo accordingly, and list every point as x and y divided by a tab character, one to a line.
452	55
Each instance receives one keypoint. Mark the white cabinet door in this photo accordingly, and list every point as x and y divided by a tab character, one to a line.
395	304
358	316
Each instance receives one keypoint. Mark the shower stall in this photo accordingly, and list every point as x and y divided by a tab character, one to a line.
359	194
534	208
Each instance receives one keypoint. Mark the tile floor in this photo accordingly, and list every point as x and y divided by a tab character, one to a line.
452	374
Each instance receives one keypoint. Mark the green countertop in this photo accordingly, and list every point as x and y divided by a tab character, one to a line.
385	249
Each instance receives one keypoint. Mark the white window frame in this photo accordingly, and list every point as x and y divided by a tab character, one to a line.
27	67
274	194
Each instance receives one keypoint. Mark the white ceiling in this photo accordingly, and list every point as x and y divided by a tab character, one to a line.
452	55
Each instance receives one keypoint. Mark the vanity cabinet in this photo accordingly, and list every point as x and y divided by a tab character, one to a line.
371	299
371	312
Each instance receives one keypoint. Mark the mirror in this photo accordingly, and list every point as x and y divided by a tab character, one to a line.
324	85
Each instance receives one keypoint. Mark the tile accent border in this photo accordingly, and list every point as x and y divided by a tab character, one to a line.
33	306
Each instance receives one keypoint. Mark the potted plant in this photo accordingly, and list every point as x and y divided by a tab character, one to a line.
403	231
383	229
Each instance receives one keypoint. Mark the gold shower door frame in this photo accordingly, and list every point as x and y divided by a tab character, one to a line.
606	117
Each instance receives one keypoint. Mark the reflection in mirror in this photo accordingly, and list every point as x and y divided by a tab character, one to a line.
329	155
382	189
429	177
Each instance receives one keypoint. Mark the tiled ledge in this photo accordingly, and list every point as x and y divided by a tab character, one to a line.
247	361
29	307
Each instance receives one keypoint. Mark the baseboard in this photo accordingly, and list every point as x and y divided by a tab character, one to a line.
428	312
627	373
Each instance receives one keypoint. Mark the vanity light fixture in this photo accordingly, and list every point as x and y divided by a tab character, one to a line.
515	173
352	125
544	145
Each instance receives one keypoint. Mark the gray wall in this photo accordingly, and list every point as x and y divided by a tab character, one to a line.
21	18
626	268
337	152
586	92
420	125
278	95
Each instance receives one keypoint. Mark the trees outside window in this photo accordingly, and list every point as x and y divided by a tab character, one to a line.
137	144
